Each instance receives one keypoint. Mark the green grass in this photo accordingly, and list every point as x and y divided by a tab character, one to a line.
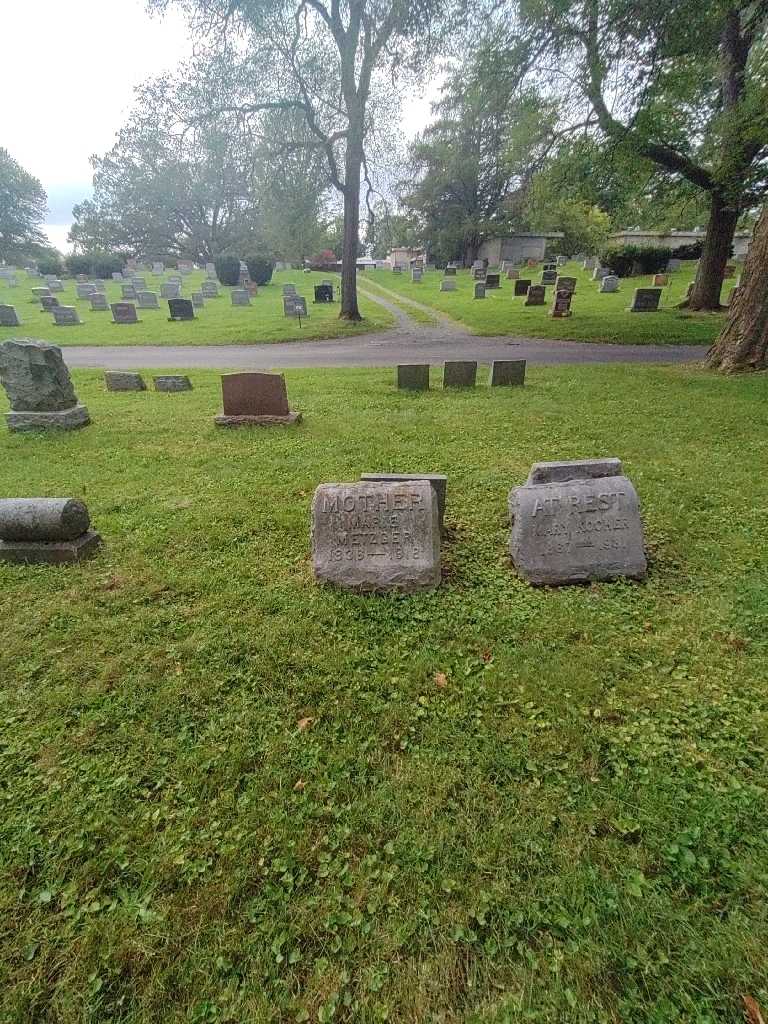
231	795
596	317
218	323
415	312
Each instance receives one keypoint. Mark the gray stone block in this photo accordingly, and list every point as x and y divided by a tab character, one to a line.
124	380
46	519
459	374
60	552
578	527
437	481
413	376
172	382
66	419
507	372
376	537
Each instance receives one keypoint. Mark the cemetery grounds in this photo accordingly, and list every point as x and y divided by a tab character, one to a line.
232	795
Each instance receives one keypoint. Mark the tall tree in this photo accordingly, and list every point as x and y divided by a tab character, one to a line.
682	83
743	341
23	206
321	58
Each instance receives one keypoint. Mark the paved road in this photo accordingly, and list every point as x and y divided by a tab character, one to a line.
407	342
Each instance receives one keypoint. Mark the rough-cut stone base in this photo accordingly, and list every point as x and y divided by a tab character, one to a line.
257	421
60	552
67	419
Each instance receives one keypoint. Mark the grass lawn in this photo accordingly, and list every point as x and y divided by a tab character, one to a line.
230	795
596	317
218	323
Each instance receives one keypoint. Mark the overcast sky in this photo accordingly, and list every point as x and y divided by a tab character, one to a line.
68	83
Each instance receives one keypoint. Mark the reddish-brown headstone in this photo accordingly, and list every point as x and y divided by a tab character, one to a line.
254	394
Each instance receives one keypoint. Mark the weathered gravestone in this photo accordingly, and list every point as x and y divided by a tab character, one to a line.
209	290
376	537
49	303
148	300
170	290
158	268
210	269
85	291
323	293
66	316
9	317
39	388
479	289
573	522
437	481
55	285
565	284
599	273
522	285
300	306
240	297
548	277
172	382
562	260
479	273
128	292
609	284
589	263
41	292
289	289
255	399
416	274
180	309
513	275
124	380
124	313
413	377
660	280
537	295
197	300
450	271
45	531
507	373
447	285
674	265
561	307
139	283
493	280
459	374
646	300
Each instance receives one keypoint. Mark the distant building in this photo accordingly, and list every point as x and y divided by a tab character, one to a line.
406	256
516	247
675	239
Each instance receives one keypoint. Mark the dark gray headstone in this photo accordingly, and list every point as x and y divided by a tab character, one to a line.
493	280
565	284
172	382
180	309
450	271
447	285
521	286
507	372
148	300
323	293
128	292
646	300
459	374
561	306
537	295
240	297
479	290
413	376
549	277
66	316
124	313
9	317
49	302
124	380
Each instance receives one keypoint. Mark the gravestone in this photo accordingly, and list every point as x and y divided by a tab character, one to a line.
158	268
255	399
660	280
574	522
148	300
562	260
565	284
55	285
493	280
209	290
85	291
674	265
537	295
116	275
507	373
437	481
253	288
197	300
49	303
180	309
169	290
38	293
124	380
397	269
549	277
521	286
39	388
561	307
300	306
478	265
513	275
128	293
289	289
450	271
646	300
459	374
377	536
447	285
479	273
589	263
609	284
210	269
124	313
175	279
416	274
323	293
413	377
549	268
139	283
12	282
45	531
172	382
9	317
65	316
240	297
479	290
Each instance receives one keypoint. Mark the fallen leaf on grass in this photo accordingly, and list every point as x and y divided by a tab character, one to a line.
301	784
441	680
304	723
752	1012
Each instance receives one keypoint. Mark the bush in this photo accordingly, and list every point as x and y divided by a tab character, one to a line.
260	268
79	265
50	265
689	252
228	270
105	266
626	260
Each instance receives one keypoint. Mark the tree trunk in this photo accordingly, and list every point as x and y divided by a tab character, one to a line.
717	249
743	342
353	167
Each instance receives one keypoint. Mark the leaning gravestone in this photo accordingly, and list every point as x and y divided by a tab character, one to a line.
124	380
39	388
565	284
413	377
447	285
49	303
124	313
609	284
172	382
573	522
537	295
549	276
646	300
255	399
479	289
66	316
180	309
459	374
240	297
209	290
45	531
99	302
148	300
521	286
9	317
561	307
507	373
377	537
170	290
85	291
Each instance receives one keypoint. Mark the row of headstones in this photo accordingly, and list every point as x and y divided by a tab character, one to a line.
461	373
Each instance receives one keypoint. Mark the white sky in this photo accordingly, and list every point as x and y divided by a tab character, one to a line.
68	82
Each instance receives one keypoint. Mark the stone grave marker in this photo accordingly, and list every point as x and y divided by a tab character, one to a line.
562	260
479	273
493	280
139	283
660	280
39	388
128	293
397	269
413	377
561	307
323	292
459	373
450	271
240	297
85	291
117	275
507	373
99	302
210	269
255	399
566	284
416	274
158	268
377	536
49	303
124	380
479	289
180	309
8	316
513	275
172	382
437	481
175	279
197	300
646	300
55	285
589	263
549	277
148	300
537	295
549	267
169	290
209	290
609	284
447	285
574	522
65	316
124	313
45	531
38	293
289	288
674	265
478	265
522	285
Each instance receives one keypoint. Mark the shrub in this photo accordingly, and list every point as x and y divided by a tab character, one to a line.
228	269
626	260
79	265
50	265
689	252
260	268
105	266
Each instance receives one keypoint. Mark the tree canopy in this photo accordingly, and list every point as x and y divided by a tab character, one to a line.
23	206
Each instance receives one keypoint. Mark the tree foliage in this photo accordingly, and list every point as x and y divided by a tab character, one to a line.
23	206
